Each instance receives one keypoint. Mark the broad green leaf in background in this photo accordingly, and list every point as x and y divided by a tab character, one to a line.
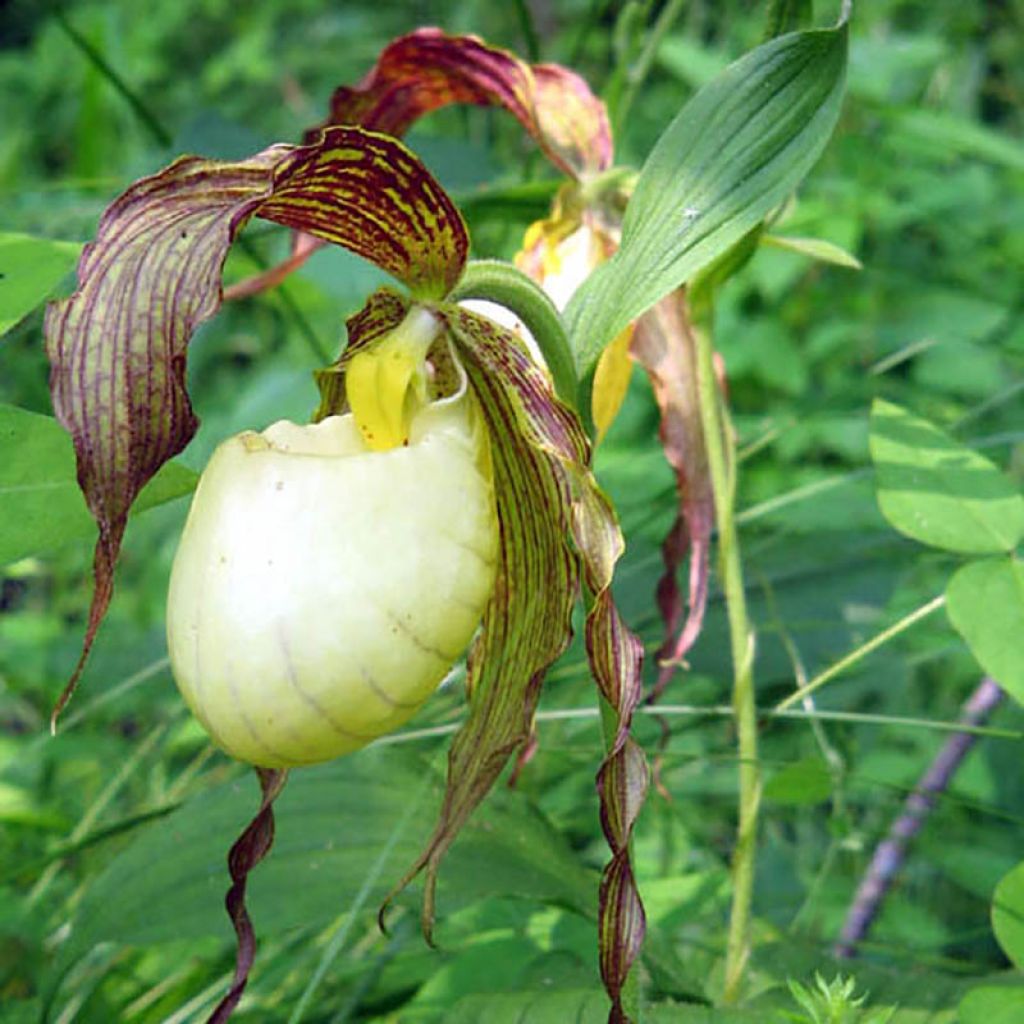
1008	914
992	1005
584	1007
735	151
538	1007
803	782
30	268
937	491
169	884
41	506
985	603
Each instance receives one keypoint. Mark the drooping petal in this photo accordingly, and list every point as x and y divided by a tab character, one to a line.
117	345
528	622
546	495
574	122
616	657
428	69
250	848
664	345
367	192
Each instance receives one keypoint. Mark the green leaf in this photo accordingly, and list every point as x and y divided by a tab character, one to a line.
816	248
787	16
583	1006
538	1007
41	506
1008	914
938	491
341	826
803	782
990	1004
985	603
30	268
735	151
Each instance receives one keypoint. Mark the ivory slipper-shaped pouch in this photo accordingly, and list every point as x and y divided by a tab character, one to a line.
322	590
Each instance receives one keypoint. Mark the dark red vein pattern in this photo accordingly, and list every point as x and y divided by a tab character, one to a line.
250	848
117	346
428	69
546	495
527	623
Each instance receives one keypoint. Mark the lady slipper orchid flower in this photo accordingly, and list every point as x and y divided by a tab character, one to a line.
330	574
428	69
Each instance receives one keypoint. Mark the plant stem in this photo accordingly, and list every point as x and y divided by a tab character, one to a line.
721	465
862	652
508	286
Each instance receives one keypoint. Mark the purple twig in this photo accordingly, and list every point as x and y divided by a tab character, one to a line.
250	848
889	855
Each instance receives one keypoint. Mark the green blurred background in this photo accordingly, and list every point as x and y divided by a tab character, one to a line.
112	836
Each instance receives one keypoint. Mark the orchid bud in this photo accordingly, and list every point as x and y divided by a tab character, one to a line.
324	587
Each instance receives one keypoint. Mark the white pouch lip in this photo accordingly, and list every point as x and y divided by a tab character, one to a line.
224	631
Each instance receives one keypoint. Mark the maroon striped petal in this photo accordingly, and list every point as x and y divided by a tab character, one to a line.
573	121
428	69
616	657
117	345
554	523
527	623
664	345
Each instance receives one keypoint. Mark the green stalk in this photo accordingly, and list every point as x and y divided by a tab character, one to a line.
509	287
714	421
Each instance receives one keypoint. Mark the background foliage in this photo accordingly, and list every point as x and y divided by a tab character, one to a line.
113	836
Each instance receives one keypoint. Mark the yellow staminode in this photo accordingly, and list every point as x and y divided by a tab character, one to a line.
387	384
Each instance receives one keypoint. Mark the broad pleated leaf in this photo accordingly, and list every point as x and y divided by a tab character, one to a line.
117	345
735	151
665	347
428	69
167	884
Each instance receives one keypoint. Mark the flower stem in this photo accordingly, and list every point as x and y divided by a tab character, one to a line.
510	287
721	464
